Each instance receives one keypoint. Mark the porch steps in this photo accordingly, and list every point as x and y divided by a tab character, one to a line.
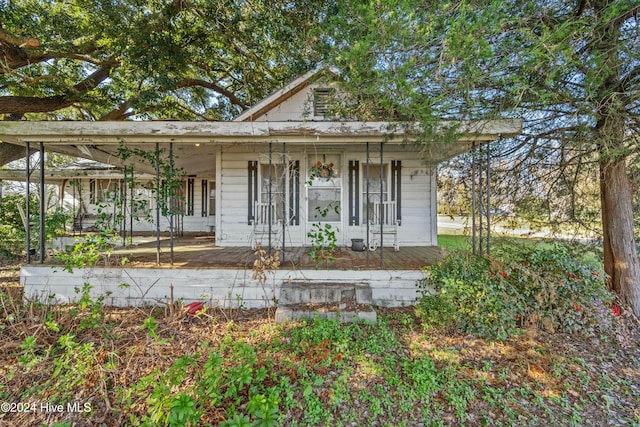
346	302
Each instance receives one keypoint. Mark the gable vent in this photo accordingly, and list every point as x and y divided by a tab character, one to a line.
321	101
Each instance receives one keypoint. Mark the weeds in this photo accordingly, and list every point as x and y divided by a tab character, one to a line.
197	370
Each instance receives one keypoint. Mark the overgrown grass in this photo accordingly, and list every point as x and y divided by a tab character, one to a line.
590	254
211	369
452	242
156	366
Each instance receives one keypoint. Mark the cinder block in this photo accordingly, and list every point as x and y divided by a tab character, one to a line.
317	295
286	314
364	295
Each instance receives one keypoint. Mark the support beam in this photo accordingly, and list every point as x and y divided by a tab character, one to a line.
270	195
131	185
27	223
473	198
285	217
480	205
382	210
169	195
366	200
488	199
123	206
42	204
157	161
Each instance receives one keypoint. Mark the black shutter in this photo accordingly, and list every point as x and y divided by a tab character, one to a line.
204	197
354	192
252	191
92	191
191	183
294	192
396	186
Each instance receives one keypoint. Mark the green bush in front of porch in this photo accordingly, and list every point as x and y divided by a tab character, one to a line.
543	285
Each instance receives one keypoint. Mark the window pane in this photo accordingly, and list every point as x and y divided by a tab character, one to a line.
378	188
324	204
325	187
277	178
212	198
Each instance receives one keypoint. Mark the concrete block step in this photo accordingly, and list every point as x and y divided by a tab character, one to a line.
346	302
324	292
311	311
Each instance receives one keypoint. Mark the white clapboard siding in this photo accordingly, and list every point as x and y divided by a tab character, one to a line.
298	107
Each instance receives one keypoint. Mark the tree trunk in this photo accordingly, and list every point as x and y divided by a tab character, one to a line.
10	152
620	250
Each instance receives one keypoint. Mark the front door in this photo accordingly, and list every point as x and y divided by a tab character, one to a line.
324	201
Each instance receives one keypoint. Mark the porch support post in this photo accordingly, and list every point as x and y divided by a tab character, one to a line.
473	197
73	206
285	219
382	210
170	200
27	224
481	203
123	207
270	196
366	203
157	160
131	181
488	200
42	205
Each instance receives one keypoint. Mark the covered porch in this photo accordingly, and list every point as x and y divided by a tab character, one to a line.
201	251
225	276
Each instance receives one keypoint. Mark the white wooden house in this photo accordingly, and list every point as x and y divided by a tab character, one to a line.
313	163
273	175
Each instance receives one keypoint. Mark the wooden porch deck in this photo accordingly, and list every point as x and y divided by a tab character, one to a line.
200	251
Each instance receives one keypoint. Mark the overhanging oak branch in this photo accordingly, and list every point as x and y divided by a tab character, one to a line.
35	104
214	87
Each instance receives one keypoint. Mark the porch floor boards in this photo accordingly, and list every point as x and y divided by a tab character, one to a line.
200	251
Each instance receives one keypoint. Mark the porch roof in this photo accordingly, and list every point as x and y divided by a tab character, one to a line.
196	142
150	132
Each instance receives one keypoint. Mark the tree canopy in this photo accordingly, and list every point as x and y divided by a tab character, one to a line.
570	68
180	59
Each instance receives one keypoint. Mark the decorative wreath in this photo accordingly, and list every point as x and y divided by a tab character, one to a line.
324	170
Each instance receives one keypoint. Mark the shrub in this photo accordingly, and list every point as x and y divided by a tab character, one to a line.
542	286
467	295
12	243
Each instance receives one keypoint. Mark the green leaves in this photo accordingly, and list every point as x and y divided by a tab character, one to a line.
196	59
544	286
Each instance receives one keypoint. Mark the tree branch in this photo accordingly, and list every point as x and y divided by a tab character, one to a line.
35	104
28	42
119	113
209	85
